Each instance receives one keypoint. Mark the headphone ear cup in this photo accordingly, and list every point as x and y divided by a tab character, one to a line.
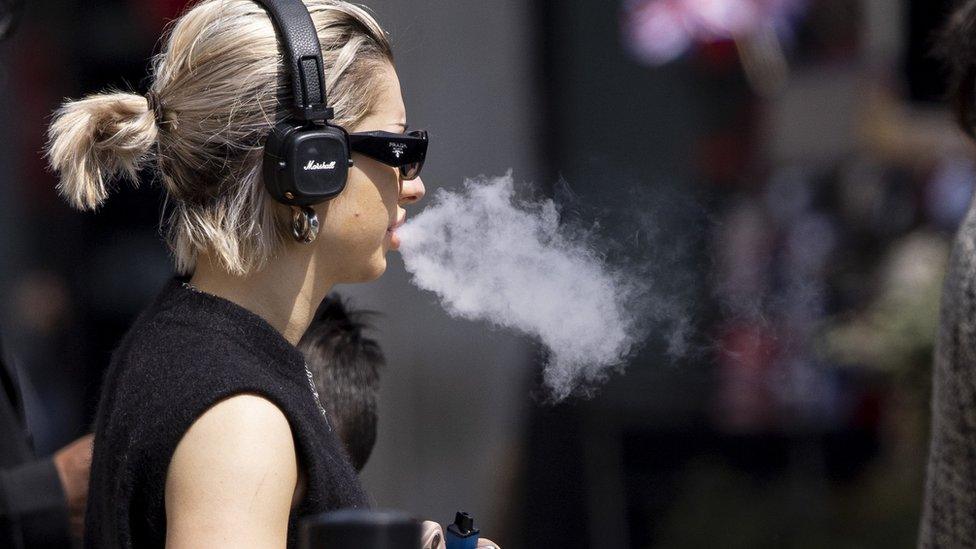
305	165
275	159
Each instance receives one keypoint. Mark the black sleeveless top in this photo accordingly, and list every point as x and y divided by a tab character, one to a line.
949	508
185	353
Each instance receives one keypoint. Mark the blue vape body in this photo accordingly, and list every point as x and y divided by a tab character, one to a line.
462	534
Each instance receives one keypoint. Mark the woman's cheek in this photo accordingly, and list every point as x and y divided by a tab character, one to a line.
370	228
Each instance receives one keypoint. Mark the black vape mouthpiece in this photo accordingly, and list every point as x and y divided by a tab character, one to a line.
463	523
360	529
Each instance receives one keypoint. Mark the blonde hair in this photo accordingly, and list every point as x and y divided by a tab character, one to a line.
218	87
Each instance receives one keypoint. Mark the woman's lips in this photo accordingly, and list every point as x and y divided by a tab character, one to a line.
391	230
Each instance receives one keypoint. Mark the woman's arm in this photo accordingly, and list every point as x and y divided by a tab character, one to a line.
231	480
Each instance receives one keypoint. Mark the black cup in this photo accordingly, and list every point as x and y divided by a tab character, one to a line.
360	529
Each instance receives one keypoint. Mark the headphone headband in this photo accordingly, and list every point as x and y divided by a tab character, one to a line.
306	159
303	57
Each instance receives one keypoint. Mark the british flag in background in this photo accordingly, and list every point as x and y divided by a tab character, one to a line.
659	31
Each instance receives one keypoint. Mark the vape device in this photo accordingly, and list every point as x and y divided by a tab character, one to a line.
462	534
360	529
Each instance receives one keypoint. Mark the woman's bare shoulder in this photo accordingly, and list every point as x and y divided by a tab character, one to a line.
232	477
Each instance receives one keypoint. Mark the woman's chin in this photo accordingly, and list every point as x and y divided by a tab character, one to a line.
376	268
373	269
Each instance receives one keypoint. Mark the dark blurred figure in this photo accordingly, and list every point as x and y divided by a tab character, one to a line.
42	501
345	367
949	511
10	11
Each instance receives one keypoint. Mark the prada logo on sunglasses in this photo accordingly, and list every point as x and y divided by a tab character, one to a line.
398	148
313	165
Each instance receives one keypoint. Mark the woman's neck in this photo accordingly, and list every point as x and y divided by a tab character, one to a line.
285	293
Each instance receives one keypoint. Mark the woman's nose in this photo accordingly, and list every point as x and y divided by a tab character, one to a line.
412	191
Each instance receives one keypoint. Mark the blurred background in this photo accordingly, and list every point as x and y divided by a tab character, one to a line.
800	184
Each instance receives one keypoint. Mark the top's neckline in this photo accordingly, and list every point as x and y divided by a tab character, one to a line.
258	331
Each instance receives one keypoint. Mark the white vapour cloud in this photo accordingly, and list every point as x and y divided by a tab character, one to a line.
489	256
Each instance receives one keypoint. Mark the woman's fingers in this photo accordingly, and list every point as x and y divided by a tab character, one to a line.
432	536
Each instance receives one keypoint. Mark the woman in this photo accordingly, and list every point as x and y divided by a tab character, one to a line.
949	509
209	432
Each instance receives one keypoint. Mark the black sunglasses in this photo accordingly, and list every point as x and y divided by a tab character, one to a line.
405	151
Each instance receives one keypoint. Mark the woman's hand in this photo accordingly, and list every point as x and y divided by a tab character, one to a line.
433	537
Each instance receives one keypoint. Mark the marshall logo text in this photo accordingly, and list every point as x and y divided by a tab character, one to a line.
313	165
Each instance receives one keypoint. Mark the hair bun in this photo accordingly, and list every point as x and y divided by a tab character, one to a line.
96	139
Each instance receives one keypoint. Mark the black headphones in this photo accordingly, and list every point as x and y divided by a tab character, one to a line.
306	159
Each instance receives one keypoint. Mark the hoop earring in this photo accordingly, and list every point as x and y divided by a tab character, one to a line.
304	224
